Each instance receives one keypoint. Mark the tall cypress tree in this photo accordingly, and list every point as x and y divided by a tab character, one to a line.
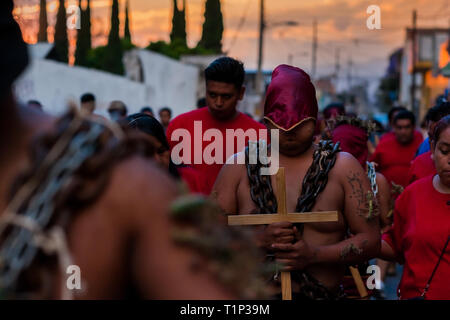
61	39
88	23
179	24
127	33
43	22
84	36
212	27
113	59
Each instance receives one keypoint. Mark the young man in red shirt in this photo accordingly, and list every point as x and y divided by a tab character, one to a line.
394	154
224	89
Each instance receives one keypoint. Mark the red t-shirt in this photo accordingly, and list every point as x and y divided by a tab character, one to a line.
421	167
205	122
194	179
419	233
394	159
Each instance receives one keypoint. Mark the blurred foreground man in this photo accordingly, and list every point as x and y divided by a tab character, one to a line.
65	208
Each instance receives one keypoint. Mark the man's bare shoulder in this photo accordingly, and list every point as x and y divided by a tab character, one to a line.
228	180
138	188
382	182
346	165
234	167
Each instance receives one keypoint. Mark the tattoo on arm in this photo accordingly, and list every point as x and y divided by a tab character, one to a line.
350	248
355	182
367	206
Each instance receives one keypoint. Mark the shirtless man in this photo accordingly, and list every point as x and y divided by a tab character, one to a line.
323	250
121	240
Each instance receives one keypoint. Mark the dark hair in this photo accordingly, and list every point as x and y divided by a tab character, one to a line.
442	125
34	102
438	112
327	112
118	106
149	125
379	128
87	97
201	103
165	109
393	111
226	70
405	114
146	109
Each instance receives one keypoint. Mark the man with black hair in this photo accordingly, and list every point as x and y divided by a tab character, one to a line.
165	115
87	101
333	110
224	89
390	130
394	154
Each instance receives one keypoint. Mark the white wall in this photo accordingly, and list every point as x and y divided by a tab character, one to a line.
167	82
55	84
171	82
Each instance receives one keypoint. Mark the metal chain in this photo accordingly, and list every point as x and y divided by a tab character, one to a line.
314	183
261	190
18	250
316	178
372	174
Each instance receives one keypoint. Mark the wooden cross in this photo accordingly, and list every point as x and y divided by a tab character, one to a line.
282	216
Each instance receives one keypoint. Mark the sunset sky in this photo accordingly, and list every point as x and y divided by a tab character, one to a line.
341	24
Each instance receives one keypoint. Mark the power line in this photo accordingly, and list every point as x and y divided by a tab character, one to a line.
240	25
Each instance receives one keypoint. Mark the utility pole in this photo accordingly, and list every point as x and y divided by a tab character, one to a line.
314	50
349	71
337	64
349	79
262	26
414	59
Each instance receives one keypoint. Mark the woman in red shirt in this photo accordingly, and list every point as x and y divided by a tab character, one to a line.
421	228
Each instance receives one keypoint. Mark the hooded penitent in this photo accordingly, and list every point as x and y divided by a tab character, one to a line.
13	53
291	98
353	140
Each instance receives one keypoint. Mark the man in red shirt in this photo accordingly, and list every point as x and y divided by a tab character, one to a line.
218	131
391	133
394	154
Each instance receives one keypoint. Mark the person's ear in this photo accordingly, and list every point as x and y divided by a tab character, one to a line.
242	93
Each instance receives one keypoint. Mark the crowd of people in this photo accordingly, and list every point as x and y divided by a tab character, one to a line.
100	193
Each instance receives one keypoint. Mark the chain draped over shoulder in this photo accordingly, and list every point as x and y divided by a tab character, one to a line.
70	169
